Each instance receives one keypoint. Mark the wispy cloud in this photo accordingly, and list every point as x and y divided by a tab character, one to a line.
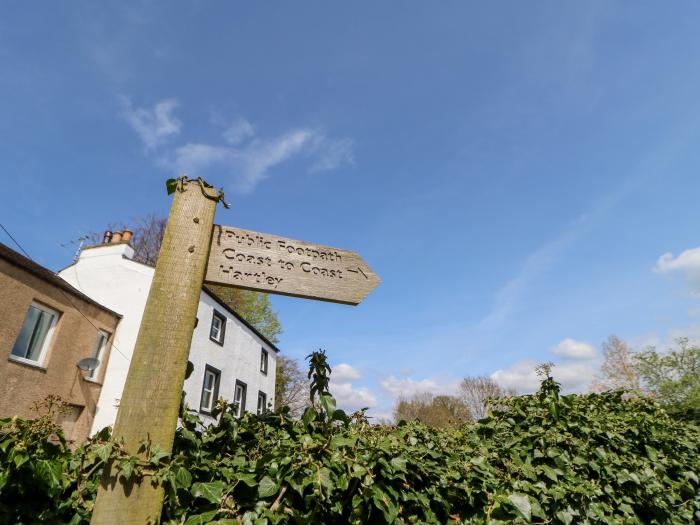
155	125
687	263
238	131
572	349
245	157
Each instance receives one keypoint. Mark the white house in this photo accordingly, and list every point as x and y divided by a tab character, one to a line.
231	358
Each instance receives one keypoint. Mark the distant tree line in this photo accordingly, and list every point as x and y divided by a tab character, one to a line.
671	377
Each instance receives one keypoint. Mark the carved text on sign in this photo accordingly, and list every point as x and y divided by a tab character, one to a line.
274	264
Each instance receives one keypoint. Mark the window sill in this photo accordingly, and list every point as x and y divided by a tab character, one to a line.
26	362
220	343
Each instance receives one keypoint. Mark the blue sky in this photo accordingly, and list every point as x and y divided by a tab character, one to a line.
514	172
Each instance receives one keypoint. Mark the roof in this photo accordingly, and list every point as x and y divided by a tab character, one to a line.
19	260
240	318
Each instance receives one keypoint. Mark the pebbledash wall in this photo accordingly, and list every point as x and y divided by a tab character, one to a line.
108	274
79	328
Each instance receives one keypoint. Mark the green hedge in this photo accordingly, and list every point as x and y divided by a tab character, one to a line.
544	458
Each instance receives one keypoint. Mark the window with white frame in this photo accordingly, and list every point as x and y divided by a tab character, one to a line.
218	328
210	389
35	334
263	361
98	352
262	403
239	397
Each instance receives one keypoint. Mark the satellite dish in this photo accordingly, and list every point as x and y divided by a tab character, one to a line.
88	364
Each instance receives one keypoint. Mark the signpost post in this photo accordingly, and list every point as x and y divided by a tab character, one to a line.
148	409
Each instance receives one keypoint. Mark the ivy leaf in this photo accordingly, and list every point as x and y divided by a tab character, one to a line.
183	478
310	415
522	503
126	467
171	186
210	491
328	404
267	487
201	519
50	472
565	516
104	451
399	464
341	441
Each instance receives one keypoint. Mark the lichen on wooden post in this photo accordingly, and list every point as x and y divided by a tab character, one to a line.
148	409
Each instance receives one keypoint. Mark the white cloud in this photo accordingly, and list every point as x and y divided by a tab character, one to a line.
688	262
351	398
572	349
574	376
407	387
330	154
348	396
344	373
247	163
153	126
239	130
241	155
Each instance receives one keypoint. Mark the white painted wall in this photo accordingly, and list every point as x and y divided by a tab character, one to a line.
108	275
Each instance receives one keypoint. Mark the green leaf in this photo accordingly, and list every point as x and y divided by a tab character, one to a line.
209	491
310	415
267	487
248	479
341	441
171	186
522	503
126	467
328	404
399	464
183	478
565	516
103	451
201	519
50	473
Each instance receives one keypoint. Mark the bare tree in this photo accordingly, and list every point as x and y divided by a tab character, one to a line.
479	392
148	236
292	386
617	370
437	411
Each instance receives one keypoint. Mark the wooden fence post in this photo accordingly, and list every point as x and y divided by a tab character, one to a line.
148	409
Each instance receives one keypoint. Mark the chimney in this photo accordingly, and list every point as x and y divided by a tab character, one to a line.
126	235
107	237
116	237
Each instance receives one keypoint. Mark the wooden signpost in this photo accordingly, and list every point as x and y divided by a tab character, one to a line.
193	247
267	263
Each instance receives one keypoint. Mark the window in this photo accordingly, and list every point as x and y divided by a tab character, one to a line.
239	398
263	361
210	389
97	352
262	403
218	328
33	338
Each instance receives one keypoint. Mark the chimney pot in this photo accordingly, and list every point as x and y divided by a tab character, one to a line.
126	235
116	237
107	238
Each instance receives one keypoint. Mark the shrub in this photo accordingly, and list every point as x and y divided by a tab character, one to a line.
595	458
